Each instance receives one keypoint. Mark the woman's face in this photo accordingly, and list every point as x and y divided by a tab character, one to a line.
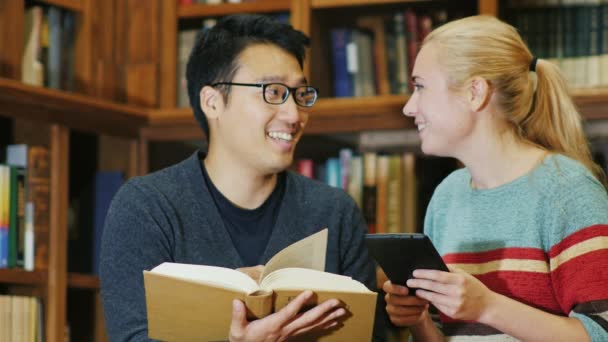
443	117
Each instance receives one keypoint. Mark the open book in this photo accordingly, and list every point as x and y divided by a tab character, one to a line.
194	302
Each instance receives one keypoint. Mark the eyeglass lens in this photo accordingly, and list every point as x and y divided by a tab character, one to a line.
276	93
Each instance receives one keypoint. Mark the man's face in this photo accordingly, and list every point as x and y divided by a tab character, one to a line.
251	133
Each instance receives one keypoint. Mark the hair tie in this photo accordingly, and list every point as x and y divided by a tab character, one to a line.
533	64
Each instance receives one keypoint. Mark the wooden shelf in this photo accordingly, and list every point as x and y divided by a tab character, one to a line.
74	5
318	4
83	281
329	115
339	115
73	110
259	6
22	277
592	103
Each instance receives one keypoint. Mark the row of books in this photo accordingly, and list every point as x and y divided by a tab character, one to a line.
377	56
185	41
48	52
21	319
24	208
571	33
382	185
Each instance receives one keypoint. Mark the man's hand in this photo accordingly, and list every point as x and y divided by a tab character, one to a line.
254	272
285	323
404	309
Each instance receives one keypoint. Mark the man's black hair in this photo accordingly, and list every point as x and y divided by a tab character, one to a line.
214	57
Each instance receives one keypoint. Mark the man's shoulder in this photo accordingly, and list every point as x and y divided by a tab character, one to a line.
170	180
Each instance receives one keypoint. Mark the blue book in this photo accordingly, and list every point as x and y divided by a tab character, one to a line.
54	55
332	172
107	184
342	78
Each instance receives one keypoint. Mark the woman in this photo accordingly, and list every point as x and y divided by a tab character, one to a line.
523	226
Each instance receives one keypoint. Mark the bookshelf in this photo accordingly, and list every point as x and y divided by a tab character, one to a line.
59	113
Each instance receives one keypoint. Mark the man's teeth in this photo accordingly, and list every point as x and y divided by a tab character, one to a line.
281	135
421	127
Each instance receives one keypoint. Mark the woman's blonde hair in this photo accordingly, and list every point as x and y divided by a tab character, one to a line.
538	109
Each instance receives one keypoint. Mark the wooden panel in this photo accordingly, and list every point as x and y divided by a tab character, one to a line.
11	38
57	274
83	49
142	31
76	111
134	159
74	5
114	154
18	276
142	153
141	81
317	4
259	6
100	323
300	20
83	281
143	55
168	57
489	7
31	132
334	115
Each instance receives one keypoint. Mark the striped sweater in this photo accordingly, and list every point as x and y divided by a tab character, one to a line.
541	239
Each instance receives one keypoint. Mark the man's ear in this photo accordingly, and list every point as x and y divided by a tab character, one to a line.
479	93
211	102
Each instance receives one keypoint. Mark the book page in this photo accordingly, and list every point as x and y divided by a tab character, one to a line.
211	275
306	253
307	279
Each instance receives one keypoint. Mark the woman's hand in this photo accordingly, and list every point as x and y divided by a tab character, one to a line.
404	309
455	293
285	323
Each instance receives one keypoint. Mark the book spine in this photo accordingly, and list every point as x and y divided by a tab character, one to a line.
339	39
38	183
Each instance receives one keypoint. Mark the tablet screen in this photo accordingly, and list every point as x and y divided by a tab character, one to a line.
400	254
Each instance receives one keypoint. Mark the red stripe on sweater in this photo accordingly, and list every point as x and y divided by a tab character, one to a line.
530	288
582	279
579	236
496	254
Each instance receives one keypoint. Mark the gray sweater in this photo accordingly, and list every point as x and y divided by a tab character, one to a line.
170	216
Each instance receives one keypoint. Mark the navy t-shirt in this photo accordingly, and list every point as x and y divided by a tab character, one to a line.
249	229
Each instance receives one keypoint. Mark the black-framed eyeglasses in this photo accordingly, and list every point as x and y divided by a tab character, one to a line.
278	93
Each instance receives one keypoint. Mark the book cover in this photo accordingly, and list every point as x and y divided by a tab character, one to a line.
194	302
107	184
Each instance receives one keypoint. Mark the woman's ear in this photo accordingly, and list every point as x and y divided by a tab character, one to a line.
211	102
479	93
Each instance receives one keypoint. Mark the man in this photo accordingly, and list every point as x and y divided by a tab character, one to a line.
236	206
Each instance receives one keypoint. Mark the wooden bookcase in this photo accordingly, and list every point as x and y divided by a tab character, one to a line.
54	116
126	84
330	115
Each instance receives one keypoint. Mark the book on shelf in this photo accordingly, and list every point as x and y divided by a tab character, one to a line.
107	184
194	302
38	183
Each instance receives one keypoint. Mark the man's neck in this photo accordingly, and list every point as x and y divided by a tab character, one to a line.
244	187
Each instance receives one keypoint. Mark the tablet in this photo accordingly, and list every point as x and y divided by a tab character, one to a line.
400	254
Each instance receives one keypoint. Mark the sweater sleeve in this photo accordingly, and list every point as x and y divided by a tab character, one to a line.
579	256
132	242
